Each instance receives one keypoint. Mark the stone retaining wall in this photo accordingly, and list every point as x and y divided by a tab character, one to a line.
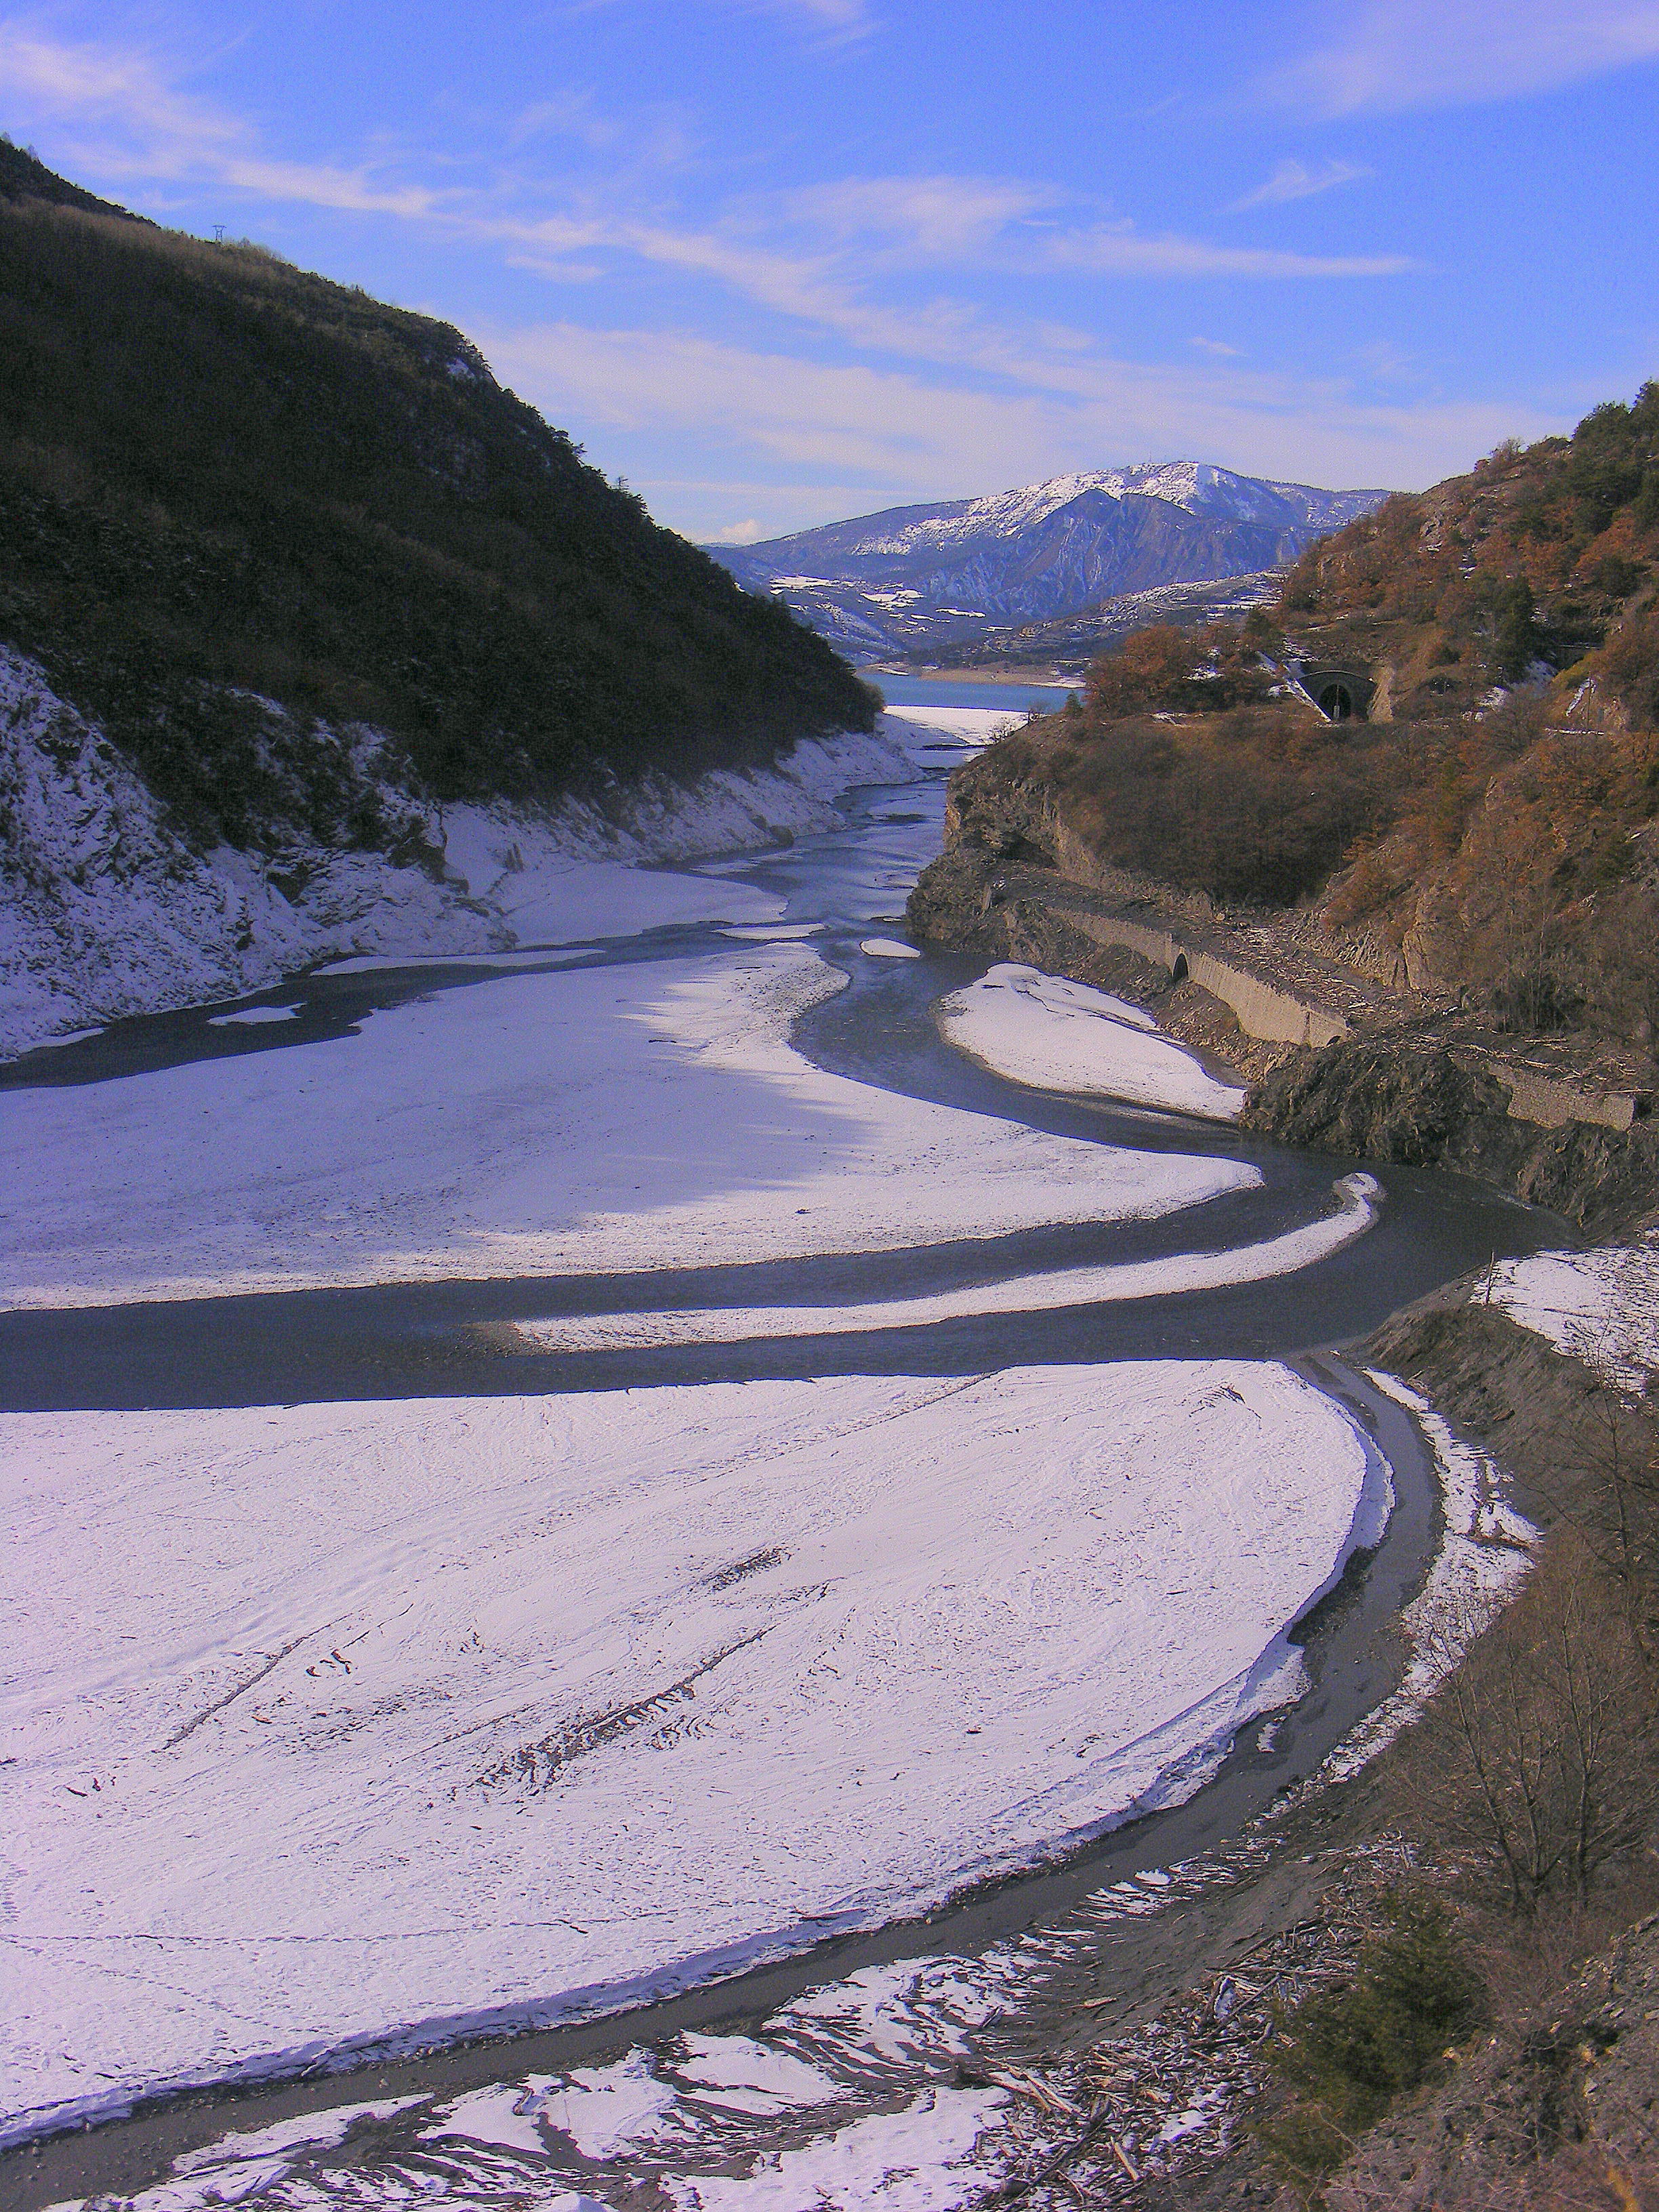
1264	1009
1275	1015
1549	1103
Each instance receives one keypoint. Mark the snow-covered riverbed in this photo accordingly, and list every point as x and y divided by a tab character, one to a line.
333	1724
1062	1035
650	1116
339	1718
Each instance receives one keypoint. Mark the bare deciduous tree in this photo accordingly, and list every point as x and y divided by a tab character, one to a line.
1539	1756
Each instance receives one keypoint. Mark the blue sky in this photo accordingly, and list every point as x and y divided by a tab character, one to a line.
779	261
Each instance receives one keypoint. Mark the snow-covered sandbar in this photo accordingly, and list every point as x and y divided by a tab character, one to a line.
364	1721
650	1116
1061	1035
1053	1290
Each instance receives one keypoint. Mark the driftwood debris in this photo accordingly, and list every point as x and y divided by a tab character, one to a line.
1119	2123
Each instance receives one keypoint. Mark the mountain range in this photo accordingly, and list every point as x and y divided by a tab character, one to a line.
910	577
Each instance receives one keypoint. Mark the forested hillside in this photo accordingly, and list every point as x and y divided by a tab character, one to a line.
225	481
1488	826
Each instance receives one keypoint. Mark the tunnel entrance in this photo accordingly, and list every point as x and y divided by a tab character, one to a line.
1341	693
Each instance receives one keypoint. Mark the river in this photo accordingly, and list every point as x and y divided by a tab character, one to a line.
771	2047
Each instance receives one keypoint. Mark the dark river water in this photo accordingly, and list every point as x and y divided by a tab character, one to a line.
1020	699
394	1341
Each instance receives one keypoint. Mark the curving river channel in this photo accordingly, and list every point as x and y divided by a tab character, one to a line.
757	2067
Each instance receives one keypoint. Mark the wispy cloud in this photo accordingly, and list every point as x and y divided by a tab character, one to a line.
904	432
1124	252
941	392
838	21
1012	224
941	218
151	128
100	83
1294	180
807	254
834	22
1385	55
574	114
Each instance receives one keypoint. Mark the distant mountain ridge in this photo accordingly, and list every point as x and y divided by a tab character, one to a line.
912	577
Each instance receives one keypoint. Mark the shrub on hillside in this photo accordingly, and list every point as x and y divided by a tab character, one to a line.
1152	668
1347	2054
1535	1000
1494	559
1539	1760
1631	660
1162	669
1256	806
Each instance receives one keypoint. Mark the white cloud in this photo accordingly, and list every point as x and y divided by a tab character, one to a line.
936	218
571	114
839	19
737	533
910	435
1114	251
941	394
1011	224
1389	55
808	254
88	82
1294	180
154	130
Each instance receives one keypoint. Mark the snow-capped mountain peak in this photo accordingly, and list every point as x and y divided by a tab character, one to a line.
1037	551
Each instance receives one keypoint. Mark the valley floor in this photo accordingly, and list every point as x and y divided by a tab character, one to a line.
350	1727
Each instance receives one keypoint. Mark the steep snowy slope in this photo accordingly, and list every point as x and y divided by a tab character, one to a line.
915	575
106	910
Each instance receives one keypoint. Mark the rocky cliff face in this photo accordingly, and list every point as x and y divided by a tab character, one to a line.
1413	1104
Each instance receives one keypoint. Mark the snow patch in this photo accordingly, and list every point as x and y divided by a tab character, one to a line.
603	2110
1061	1035
1484	1557
920	2160
253	1016
781	934
593	1119
1600	1307
1061	1289
104	911
243	2166
738	2062
503	2116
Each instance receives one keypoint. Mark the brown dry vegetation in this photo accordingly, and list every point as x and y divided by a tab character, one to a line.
1493	830
1258	804
1528	1794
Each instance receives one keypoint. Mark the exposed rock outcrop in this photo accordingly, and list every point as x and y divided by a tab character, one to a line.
1341	1061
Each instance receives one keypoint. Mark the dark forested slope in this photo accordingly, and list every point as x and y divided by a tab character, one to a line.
224	481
